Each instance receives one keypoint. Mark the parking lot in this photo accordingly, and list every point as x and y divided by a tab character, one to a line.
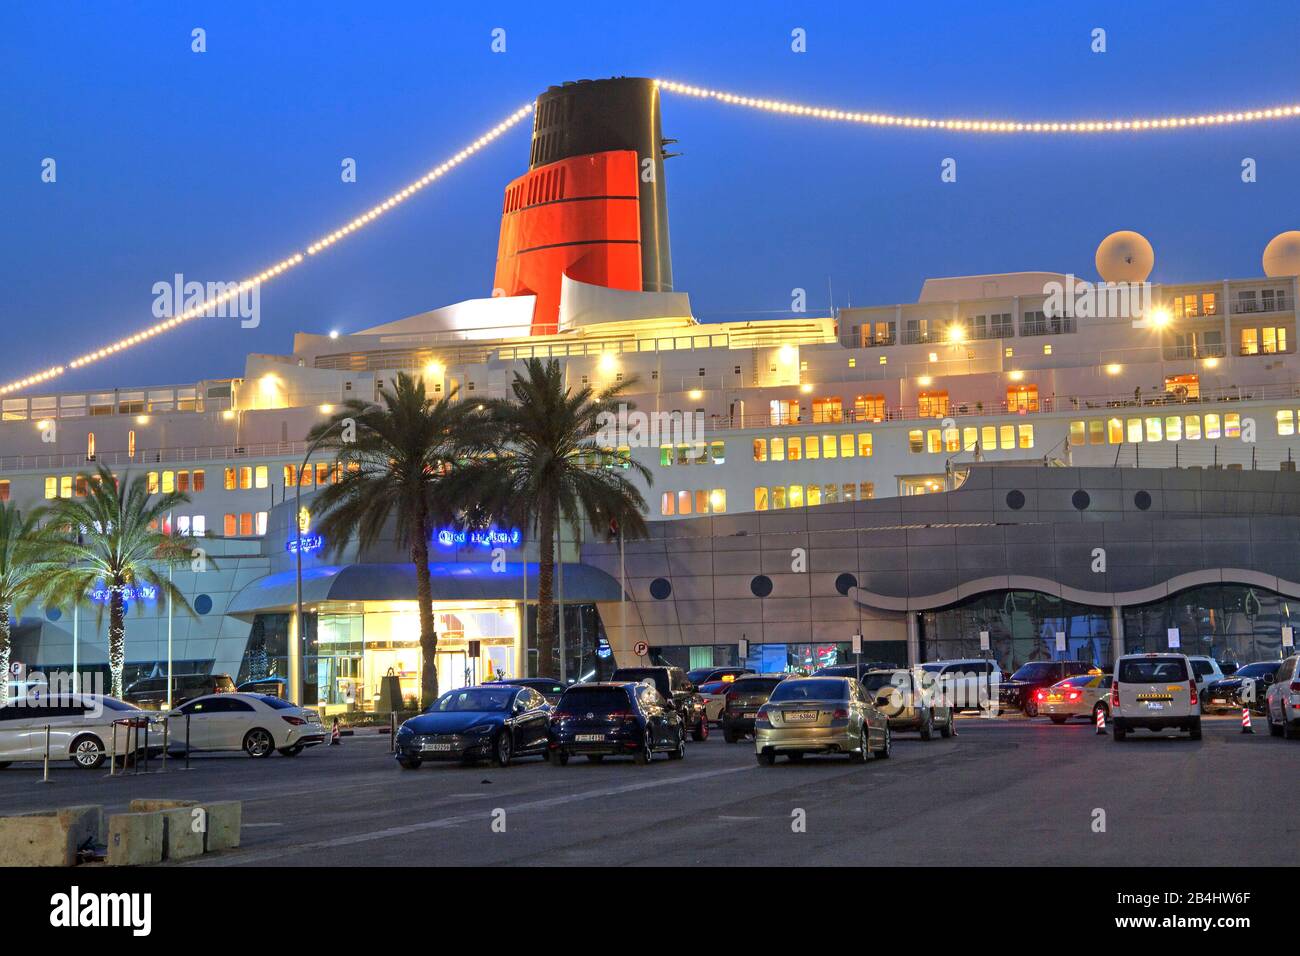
1004	792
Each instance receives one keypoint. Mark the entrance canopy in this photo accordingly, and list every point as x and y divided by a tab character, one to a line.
465	581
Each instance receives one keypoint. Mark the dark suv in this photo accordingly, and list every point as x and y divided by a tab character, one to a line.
745	695
151	692
1018	691
677	690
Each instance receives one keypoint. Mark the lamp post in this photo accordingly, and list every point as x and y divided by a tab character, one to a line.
295	644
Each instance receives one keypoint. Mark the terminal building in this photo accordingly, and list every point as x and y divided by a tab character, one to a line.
1024	454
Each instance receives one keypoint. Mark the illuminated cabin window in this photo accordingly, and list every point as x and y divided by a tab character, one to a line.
1173	428
1115	431
168	481
1183	386
1026	433
827	411
915	440
718	500
869	408
760	499
231	482
864	444
760	449
90	446
51	487
783	411
794	449
130	444
4	490
932	404
933	440
846	445
777	449
1022	398
811	448
814	495
1231	425
795	497
778	496
1192	426
667	503
1285	422
829	448
1212	426
684	502
666	454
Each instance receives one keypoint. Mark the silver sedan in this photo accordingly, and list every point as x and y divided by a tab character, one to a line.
820	715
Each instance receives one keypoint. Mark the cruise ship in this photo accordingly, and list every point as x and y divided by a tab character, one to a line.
918	480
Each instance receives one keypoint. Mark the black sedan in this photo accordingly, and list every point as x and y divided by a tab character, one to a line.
615	720
496	722
1247	687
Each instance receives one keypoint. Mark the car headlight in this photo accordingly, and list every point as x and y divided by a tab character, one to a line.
405	731
482	729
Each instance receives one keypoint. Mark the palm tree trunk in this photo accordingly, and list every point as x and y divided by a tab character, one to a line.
116	638
4	653
424	596
546	664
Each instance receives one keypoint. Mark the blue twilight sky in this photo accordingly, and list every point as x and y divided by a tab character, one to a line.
217	164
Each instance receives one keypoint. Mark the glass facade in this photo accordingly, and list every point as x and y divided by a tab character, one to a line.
1229	622
778	658
1022	627
587	653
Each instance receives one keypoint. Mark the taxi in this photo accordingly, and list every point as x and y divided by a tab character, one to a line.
1080	696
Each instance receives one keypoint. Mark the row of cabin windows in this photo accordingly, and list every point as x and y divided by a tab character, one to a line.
1117	431
796	448
967	438
1263	341
245	524
78	486
692	453
799	496
699	501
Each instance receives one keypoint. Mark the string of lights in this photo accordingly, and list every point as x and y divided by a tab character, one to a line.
1133	124
210	304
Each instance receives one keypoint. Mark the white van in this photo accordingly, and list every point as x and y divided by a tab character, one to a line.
81	728
1155	692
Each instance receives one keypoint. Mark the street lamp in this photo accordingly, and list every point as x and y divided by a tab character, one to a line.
295	645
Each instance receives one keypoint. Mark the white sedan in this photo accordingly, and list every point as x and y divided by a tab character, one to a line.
254	723
81	728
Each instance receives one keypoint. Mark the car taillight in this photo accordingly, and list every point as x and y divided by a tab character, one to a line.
1114	694
296	721
1295	686
1040	695
1072	695
1191	692
560	713
619	714
840	714
764	716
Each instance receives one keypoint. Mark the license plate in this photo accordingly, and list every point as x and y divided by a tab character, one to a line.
1155	705
1219	700
749	715
436	747
800	715
588	738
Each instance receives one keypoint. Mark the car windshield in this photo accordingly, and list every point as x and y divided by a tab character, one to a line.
1152	670
812	688
756	685
597	700
1258	670
883	679
474	698
1035	670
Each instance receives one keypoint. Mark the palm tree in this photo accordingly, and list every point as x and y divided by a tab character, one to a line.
547	433
116	538
398	454
22	568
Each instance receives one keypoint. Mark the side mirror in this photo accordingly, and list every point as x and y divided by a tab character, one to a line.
1268	678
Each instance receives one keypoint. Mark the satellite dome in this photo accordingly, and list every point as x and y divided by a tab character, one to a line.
1282	255
1125	256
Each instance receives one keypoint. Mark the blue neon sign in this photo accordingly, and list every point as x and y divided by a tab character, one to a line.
487	538
131	592
307	542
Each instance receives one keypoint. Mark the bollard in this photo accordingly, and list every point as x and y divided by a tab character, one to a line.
187	741
392	732
1101	720
46	778
1245	721
164	756
112	748
146	745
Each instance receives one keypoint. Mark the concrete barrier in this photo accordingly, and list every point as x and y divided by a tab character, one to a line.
135	839
221	819
49	837
182	837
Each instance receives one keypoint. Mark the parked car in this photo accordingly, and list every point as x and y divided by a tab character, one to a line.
615	720
254	723
1020	691
150	693
1079	696
1156	692
969	683
274	686
706	675
1283	701
852	670
82	728
714	696
898	694
1247	687
744	697
677	690
496	722
1206	670
819	715
548	687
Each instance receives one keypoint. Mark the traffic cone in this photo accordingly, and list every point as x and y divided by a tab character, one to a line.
1245	721
334	733
1101	720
